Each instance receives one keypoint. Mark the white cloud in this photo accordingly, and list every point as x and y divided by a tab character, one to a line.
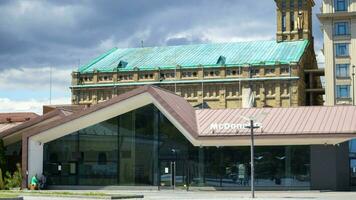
320	58
32	105
35	79
21	88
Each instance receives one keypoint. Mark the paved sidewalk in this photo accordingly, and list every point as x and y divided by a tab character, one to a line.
223	195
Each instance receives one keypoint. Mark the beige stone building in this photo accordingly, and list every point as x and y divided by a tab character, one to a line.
274	73
338	19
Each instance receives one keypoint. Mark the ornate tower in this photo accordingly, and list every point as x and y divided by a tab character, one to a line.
294	19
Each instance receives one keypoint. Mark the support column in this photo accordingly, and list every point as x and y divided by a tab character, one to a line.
155	147
288	172
35	158
278	94
201	167
262	95
222	97
329	166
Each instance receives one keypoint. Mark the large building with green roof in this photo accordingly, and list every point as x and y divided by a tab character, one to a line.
272	73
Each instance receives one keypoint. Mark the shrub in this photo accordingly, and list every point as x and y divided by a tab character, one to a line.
2	156
2	185
14	180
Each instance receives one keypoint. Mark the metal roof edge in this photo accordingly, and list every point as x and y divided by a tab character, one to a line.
305	48
97	59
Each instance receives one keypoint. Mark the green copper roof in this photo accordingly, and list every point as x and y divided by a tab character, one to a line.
192	56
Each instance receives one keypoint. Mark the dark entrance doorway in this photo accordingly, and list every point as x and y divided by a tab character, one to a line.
353	172
172	174
167	174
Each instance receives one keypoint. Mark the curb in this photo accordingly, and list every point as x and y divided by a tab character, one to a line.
83	196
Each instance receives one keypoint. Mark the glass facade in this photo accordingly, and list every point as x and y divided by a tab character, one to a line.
13	154
352	151
143	148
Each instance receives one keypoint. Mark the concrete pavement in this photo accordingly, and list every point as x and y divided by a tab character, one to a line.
223	195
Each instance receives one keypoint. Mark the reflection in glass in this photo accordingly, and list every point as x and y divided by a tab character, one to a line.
138	147
98	154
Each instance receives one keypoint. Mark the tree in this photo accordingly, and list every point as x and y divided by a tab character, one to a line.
2	164
2	157
2	185
14	180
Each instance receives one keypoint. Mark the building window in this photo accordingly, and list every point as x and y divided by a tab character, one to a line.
343	91
211	73
105	78
269	71
283	4
291	15
340	5
341	28
300	4
86	79
285	70
284	24
342	70
170	75
125	77
342	49
254	71
187	74
146	76
284	21
233	72
292	21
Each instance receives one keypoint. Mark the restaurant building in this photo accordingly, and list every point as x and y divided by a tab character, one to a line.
151	137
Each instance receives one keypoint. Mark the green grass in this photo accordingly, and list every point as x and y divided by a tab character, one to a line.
14	193
8	195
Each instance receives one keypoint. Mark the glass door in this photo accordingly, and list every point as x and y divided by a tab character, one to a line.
353	171
167	174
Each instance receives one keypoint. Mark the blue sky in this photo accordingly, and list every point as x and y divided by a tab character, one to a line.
39	36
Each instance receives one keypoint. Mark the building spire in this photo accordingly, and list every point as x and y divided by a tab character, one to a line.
294	20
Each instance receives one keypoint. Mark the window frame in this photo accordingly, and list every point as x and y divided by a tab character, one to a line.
339	70
337	4
339	92
284	22
338	52
337	28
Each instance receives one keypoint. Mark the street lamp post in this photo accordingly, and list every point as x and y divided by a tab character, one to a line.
252	127
252	162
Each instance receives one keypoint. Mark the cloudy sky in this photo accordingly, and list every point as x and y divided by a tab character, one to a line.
39	36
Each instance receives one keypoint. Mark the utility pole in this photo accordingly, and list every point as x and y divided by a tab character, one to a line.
50	85
353	85
175	79
202	87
